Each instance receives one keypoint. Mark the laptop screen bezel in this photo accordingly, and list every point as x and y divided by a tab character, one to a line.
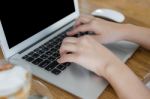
8	52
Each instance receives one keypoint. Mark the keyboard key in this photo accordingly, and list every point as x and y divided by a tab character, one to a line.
53	50
44	56
40	52
50	45
41	47
31	53
44	63
58	46
48	53
37	61
51	58
66	64
61	67
56	55
29	59
46	44
36	50
25	57
35	55
52	66
44	48
56	71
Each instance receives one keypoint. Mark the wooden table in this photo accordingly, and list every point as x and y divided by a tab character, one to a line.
136	12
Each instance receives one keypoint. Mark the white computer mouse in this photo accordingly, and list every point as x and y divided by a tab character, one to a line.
109	14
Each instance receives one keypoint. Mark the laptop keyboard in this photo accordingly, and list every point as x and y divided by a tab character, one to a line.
47	54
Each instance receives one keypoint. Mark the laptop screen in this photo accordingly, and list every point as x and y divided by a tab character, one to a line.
23	18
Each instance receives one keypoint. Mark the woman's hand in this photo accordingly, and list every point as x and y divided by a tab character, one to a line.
95	57
106	32
90	54
87	52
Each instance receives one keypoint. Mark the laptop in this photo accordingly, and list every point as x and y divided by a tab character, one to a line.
33	32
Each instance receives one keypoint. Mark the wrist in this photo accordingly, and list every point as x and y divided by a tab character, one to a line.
126	31
132	33
112	70
108	69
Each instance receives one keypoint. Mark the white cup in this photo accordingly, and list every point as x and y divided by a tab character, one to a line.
15	80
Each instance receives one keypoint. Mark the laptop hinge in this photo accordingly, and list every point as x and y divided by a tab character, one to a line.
44	37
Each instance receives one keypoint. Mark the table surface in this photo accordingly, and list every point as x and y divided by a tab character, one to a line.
136	12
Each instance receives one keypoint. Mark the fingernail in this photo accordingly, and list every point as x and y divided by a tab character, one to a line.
58	60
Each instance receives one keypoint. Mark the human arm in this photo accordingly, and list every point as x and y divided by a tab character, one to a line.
87	52
126	84
107	32
137	34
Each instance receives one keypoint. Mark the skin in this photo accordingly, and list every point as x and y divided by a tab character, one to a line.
89	52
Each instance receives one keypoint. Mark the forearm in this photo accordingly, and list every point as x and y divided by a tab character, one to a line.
138	35
126	83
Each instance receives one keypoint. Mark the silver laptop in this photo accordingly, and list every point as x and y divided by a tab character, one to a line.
33	32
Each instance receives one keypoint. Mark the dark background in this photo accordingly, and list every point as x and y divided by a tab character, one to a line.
22	19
